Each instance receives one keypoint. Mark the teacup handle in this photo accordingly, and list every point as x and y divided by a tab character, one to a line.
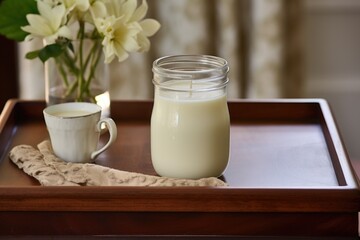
111	126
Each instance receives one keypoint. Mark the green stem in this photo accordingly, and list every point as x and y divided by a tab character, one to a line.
67	67
81	65
71	89
91	52
62	71
96	56
81	79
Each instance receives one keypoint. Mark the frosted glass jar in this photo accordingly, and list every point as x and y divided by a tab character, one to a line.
190	123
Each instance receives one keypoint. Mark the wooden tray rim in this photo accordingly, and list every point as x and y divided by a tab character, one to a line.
226	199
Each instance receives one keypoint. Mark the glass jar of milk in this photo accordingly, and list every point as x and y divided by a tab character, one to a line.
190	123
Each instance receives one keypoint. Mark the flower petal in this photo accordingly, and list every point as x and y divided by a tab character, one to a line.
50	39
125	34
56	17
121	54
44	8
82	5
64	31
98	10
140	12
128	9
150	26
38	25
109	53
130	44
144	43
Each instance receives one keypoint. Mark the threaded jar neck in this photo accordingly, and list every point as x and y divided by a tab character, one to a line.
206	72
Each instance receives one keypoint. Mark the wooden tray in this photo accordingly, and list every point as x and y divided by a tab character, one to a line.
289	175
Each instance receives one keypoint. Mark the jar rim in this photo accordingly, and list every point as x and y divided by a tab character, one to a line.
198	68
217	62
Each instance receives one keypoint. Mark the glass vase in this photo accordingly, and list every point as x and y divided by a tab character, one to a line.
78	74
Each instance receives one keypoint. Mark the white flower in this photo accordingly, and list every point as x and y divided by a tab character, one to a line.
119	38
123	32
76	28
149	26
120	24
47	24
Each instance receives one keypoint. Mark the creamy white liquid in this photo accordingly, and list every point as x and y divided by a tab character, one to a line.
190	135
71	113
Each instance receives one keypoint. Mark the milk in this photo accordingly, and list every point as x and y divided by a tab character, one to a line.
190	132
73	113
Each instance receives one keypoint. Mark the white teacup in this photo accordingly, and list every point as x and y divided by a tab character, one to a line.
74	130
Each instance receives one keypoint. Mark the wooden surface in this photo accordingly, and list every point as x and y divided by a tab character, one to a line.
288	168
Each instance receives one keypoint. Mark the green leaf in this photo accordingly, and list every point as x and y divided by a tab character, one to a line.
49	51
33	54
71	47
13	17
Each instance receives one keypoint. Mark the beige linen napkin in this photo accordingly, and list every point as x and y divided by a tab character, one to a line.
49	170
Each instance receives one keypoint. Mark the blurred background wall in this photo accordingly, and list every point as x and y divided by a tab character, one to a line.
261	39
332	56
275	48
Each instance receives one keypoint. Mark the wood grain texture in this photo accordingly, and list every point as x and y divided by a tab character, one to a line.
310	186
